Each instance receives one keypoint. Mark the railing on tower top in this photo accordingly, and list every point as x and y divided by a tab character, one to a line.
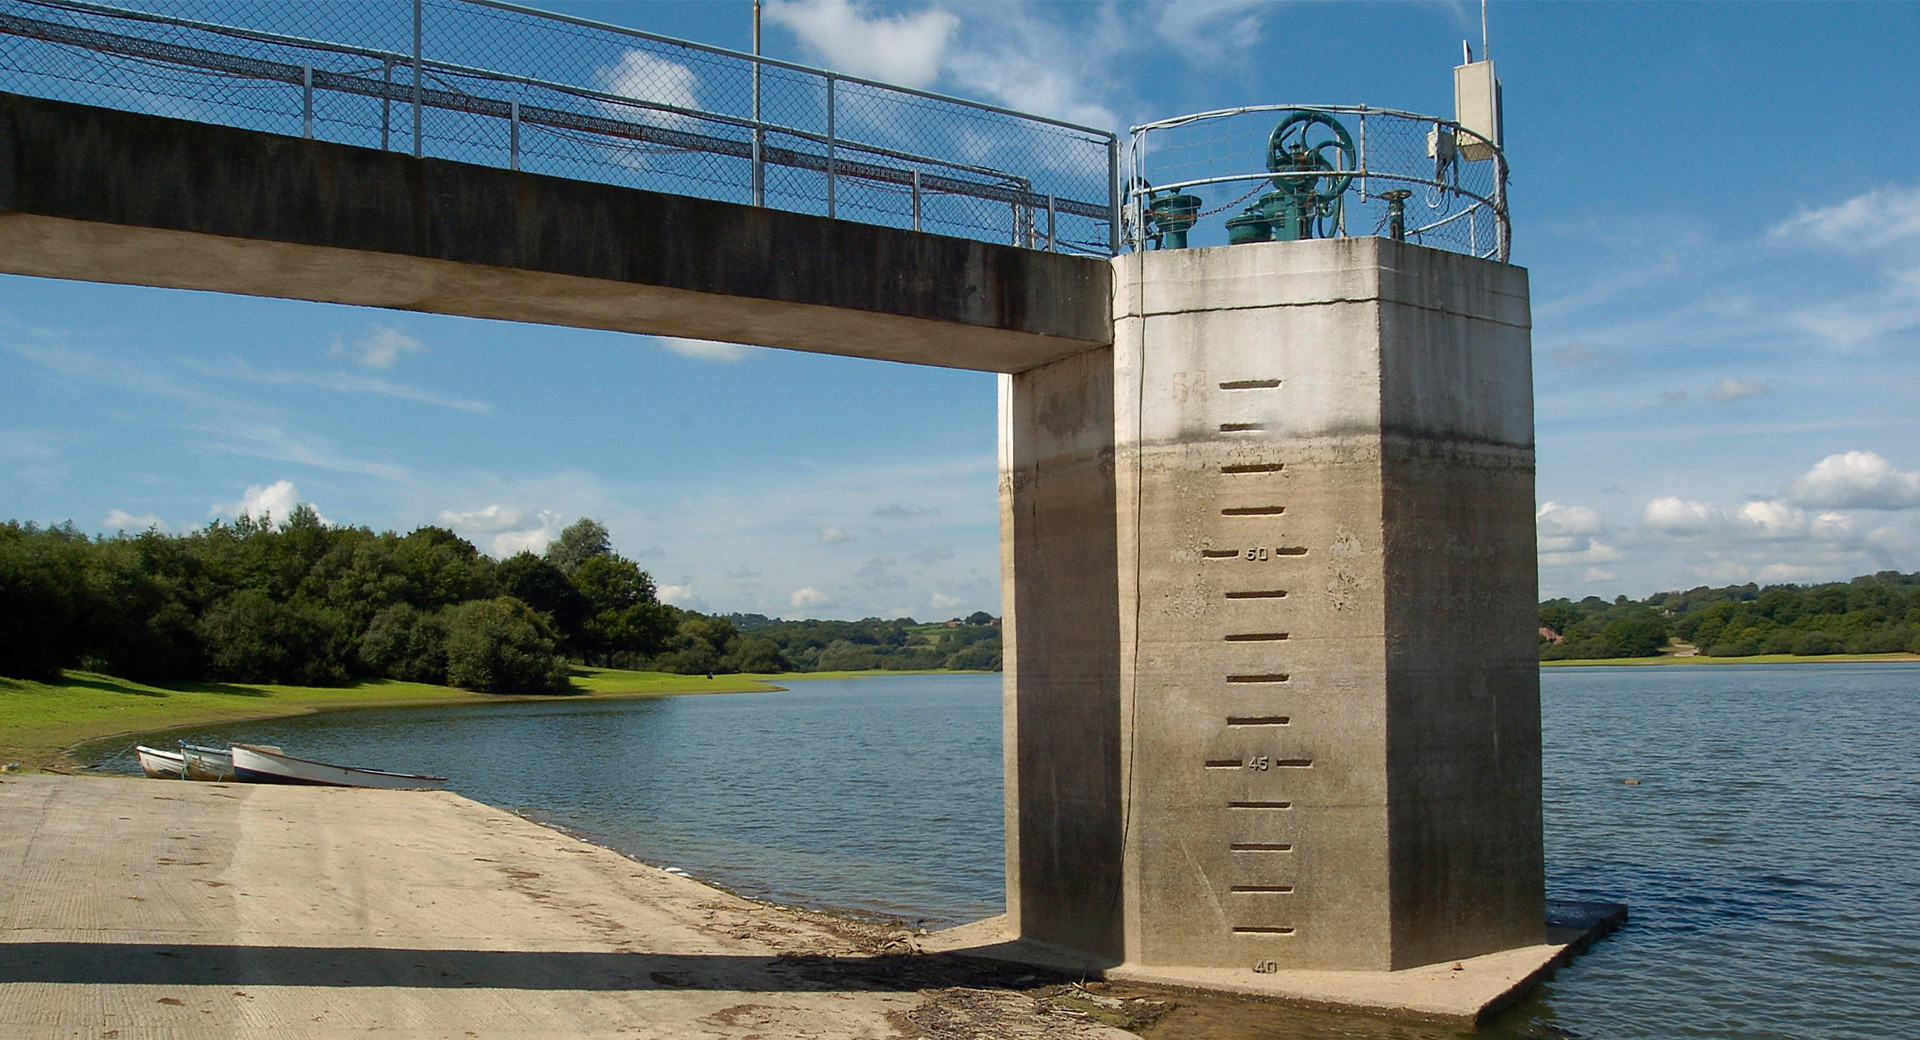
1284	172
487	82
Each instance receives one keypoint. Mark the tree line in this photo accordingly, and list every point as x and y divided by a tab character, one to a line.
302	602
1872	614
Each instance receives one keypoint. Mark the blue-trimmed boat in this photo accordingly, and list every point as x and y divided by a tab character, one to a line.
262	765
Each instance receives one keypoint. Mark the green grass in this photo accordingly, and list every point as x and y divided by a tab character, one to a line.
1702	659
39	721
782	677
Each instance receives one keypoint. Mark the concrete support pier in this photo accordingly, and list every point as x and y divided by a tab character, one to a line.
1301	732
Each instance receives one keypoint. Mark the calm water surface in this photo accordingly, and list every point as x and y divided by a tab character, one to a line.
1770	851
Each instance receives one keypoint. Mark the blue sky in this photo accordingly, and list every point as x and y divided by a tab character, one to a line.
1719	206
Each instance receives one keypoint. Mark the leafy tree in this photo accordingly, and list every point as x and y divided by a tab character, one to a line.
979	617
1642	636
138	623
407	643
545	587
582	540
501	646
761	656
623	613
1878	613
442	568
251	638
40	599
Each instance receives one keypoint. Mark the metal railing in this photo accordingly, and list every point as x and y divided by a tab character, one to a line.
487	82
1382	172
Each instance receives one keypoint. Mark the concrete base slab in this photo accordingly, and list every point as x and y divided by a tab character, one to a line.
1466	992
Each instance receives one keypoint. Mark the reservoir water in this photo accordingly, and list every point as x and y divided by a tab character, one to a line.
1770	849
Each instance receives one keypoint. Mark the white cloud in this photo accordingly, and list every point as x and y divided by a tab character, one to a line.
1568	535
907	49
1856	480
339	382
504	530
1040	67
1882	226
380	347
705	349
1773	518
1880	218
645	77
1196	27
680	596
1006	52
1737	389
121	520
808	597
270	503
1674	515
831	535
942	601
1556	519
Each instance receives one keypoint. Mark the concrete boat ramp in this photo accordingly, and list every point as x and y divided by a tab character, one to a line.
141	908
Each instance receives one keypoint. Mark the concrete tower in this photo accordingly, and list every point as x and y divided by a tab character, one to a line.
1272	690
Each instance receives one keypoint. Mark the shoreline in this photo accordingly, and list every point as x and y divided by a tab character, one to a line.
49	727
243	910
1702	659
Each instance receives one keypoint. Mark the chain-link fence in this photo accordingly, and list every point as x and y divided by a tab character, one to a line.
1286	172
492	83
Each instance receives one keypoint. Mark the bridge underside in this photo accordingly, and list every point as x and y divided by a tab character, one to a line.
99	195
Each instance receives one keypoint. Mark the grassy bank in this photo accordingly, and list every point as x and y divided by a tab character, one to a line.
1699	659
40	721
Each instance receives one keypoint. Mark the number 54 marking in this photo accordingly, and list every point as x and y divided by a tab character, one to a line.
1184	387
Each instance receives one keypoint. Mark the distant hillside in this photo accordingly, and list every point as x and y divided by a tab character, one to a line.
1872	614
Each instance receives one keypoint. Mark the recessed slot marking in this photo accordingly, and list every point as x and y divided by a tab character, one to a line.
1259	805
1259	594
1253	510
1258	720
1290	550
1257	930
1250	384
1293	763
1223	763
1255	637
1259	846
1278	889
1241	427
1219	554
1252	467
1269	677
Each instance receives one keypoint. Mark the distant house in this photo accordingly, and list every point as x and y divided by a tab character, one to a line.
1550	635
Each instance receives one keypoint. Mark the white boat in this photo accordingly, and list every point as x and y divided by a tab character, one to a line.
161	765
264	765
211	763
